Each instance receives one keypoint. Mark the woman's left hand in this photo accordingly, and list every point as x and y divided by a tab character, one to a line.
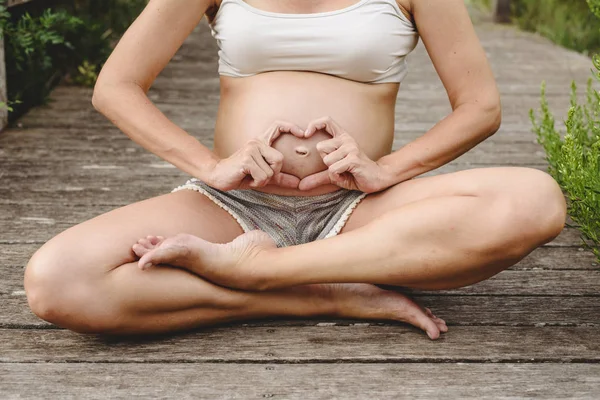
348	166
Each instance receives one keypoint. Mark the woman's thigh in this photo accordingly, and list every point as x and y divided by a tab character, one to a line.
523	186
103	243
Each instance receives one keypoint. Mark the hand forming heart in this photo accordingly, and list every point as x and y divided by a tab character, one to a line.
348	166
256	164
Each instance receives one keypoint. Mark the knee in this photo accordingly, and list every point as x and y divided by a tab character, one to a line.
533	209
545	210
58	294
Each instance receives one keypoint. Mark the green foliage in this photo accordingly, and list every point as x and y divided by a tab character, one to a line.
88	73
595	7
63	41
566	22
9	106
35	48
574	161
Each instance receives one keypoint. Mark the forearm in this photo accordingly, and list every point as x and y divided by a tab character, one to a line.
128	107
453	136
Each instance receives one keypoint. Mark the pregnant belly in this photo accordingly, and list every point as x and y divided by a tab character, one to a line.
248	106
300	156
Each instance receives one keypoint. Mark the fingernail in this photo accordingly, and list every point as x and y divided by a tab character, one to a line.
147	265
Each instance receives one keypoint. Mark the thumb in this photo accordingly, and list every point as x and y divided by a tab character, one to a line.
285	180
315	180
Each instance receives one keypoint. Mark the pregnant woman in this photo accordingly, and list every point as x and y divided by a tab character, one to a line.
301	209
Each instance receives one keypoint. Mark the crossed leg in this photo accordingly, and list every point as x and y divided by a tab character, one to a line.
86	279
432	233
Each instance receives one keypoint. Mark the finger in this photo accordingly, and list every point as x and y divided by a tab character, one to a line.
279	127
323	123
315	180
337	155
259	177
262	164
328	146
273	157
285	180
344	165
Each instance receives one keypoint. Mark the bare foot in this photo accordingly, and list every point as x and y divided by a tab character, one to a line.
219	263
360	301
365	301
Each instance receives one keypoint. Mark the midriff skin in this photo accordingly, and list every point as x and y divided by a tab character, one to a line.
248	106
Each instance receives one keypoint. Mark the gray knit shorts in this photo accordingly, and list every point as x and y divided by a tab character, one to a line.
289	220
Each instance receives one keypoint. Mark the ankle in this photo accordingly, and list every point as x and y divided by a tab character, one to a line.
326	302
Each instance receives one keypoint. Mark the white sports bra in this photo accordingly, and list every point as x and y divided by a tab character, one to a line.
366	42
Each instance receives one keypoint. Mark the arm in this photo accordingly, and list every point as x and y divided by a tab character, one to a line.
120	92
460	61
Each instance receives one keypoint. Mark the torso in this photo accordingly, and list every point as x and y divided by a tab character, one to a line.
249	105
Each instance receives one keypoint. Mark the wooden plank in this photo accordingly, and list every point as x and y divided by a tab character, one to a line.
3	94
302	381
456	310
357	343
12	3
534	282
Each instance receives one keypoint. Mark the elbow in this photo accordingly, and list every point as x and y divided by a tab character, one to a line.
107	93
491	109
494	117
100	96
489	116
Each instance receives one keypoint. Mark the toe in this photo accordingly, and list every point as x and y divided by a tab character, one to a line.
154	240
421	320
441	324
153	257
139	250
443	328
430	327
147	260
145	242
172	251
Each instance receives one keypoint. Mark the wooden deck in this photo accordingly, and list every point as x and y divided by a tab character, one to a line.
532	331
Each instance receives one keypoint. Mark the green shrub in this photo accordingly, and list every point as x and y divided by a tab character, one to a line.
71	41
566	22
574	161
37	53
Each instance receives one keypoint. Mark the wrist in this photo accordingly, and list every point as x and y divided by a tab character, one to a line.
388	173
205	169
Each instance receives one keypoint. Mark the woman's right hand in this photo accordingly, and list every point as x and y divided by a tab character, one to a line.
256	164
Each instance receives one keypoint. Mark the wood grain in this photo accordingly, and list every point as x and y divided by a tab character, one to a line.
3	94
301	381
357	343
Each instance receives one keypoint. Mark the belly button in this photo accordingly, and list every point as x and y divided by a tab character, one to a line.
301	150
